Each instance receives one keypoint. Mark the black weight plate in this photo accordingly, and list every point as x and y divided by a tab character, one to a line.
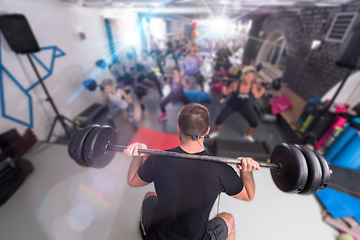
76	143
95	153
293	174
71	145
325	171
314	171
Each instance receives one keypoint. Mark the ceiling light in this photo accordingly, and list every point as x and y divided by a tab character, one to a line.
236	5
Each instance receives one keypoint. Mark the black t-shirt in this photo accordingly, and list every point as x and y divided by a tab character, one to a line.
187	190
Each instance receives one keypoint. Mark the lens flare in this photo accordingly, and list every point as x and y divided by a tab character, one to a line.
103	183
80	217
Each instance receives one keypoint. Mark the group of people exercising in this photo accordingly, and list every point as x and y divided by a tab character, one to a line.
239	93
185	189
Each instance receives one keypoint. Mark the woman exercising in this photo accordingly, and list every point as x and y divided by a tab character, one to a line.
242	92
177	84
119	100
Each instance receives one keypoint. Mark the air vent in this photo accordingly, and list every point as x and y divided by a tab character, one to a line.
341	26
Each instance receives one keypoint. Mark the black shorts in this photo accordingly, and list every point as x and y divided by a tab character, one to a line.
148	208
216	229
246	112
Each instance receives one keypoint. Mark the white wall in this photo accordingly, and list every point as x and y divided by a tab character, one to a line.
54	22
350	92
177	26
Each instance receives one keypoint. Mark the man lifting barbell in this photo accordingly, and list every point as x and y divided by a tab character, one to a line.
186	190
183	185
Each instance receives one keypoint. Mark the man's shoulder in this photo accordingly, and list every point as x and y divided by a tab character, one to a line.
179	150
176	149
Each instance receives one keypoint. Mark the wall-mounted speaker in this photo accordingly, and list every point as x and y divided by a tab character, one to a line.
18	34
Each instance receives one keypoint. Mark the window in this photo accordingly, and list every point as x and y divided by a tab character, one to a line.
340	26
277	54
272	56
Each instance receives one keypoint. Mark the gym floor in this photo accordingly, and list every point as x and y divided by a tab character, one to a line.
62	200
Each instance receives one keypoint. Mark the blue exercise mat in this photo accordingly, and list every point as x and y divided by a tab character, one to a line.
341	141
195	96
349	157
339	204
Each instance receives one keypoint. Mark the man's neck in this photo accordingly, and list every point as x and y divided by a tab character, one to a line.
193	146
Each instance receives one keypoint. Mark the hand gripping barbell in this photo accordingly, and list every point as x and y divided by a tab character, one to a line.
294	168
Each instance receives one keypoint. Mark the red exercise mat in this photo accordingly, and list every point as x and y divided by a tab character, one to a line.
155	140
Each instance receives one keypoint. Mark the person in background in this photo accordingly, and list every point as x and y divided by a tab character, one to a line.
222	56
157	54
192	71
149	72
183	46
169	45
177	84
119	100
233	73
170	49
116	70
241	94
126	77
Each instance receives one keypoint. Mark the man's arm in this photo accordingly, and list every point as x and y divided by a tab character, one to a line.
133	177
247	166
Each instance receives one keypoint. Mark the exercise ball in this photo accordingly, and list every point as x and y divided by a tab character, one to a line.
191	66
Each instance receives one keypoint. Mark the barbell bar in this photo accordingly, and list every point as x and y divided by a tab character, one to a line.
294	168
192	156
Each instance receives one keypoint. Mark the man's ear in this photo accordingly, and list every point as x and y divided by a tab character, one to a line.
207	132
179	131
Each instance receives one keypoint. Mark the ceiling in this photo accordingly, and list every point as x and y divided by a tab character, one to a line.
194	9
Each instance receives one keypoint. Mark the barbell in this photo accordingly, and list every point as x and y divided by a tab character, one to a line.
294	168
275	84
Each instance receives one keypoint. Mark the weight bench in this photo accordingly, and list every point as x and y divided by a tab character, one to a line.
259	151
88	115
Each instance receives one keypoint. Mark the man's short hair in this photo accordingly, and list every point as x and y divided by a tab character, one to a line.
194	119
107	82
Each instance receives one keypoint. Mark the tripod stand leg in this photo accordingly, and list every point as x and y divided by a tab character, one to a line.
51	129
49	99
65	127
68	119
